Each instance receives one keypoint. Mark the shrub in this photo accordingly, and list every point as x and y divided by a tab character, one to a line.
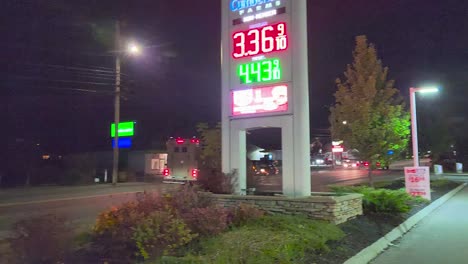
215	181
114	229
187	197
113	232
42	239
208	221
244	213
160	234
383	200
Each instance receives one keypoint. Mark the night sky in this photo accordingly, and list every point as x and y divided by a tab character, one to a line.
56	71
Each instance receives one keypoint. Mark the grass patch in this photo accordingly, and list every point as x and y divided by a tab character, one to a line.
5	252
441	183
272	239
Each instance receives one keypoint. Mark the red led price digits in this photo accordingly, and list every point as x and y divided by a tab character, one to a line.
259	41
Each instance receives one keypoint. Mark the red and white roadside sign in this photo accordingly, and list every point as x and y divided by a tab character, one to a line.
418	181
337	149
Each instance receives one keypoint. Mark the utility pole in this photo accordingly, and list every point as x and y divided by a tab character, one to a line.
115	168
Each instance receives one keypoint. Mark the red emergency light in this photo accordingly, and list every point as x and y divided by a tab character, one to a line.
195	141
195	173
180	141
166	172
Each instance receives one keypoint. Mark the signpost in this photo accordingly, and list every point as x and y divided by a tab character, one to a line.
263	43
418	181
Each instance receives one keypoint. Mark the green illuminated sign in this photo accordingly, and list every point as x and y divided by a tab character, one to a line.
260	71
126	129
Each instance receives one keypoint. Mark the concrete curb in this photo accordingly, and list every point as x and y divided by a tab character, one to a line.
372	251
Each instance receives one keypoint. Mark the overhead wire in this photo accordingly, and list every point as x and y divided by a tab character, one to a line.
52	80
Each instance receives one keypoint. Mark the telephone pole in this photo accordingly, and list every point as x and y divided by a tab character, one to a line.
115	164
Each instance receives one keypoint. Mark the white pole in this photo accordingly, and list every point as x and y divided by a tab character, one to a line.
414	127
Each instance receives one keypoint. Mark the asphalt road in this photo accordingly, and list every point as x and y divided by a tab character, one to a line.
82	204
321	178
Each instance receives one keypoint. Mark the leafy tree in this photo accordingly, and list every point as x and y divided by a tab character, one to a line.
211	145
375	115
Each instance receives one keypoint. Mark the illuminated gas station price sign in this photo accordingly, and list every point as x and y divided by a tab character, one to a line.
260	71
260	56
259	41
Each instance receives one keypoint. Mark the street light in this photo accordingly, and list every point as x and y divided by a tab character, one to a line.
414	126
132	49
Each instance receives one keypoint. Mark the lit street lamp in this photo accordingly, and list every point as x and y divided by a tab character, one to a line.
414	126
132	49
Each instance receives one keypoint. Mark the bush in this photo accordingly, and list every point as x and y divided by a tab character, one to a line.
42	239
113	232
383	200
208	221
215	181
160	234
118	230
114	229
187	197
243	214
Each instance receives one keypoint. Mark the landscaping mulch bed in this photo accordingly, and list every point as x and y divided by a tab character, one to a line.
364	230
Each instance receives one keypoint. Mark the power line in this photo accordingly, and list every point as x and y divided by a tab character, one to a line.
103	92
65	81
97	70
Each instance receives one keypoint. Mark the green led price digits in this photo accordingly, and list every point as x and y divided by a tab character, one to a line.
260	71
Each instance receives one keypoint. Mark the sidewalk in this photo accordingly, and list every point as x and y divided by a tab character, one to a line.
442	237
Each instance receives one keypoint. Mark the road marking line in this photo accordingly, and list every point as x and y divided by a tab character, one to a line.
65	199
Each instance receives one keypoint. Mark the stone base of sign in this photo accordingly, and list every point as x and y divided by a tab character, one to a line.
330	207
372	251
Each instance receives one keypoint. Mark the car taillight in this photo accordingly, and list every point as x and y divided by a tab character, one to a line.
166	172
195	173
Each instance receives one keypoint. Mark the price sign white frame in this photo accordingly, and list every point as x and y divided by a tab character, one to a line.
418	181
